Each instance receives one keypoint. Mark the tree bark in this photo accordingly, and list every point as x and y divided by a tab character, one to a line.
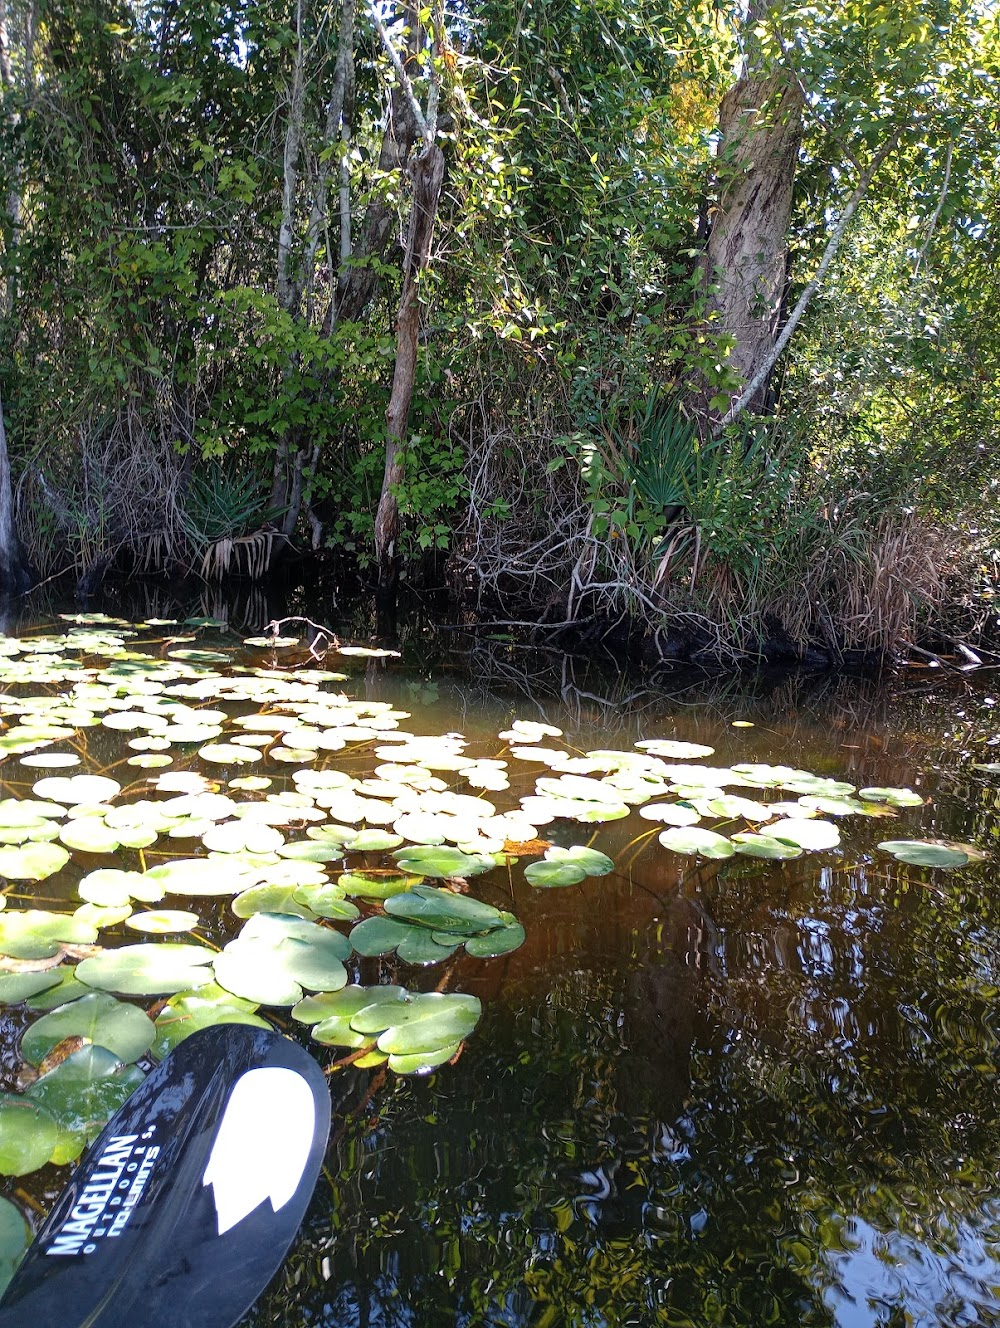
427	175
14	574
761	126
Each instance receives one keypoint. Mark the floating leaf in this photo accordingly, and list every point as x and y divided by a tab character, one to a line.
32	862
371	885
670	813
443	910
268	898
549	874
15	1236
810	834
675	751
327	901
189	1011
764	846
38	934
276	955
926	853
229	753
17	987
692	839
148	970
163	921
199	877
121	1028
28	1135
82	1093
77	790
433	860
68	988
895	797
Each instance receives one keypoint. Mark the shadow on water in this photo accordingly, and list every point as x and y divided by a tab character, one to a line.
736	1093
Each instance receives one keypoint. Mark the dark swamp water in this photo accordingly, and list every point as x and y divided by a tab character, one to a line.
732	1092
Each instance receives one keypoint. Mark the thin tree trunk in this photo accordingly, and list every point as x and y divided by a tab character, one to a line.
14	574
427	175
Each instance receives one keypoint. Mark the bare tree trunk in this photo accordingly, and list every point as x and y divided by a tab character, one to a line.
761	125
358	277
14	574
427	175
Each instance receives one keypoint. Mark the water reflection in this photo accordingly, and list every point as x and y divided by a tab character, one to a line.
736	1093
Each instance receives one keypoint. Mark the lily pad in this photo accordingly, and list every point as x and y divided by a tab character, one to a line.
549	874
164	921
895	797
32	862
439	861
674	750
148	970
15	1236
38	934
926	853
17	987
28	1135
692	839
199	877
764	846
188	1011
81	1094
100	1019
276	955
77	790
809	834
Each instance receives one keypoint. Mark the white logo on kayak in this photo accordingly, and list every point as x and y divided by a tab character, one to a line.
263	1143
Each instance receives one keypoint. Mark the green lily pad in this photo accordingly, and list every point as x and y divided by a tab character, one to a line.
269	898
77	790
81	1094
373	841
895	797
17	987
229	753
276	955
925	853
443	910
495	943
375	886
327	901
121	1028
89	834
28	1135
548	874
670	813
67	988
675	751
199	877
439	861
808	834
593	862
422	1062
189	1011
109	887
378	936
692	839
426	1023
148	970
15	1236
96	915
164	921
32	862
38	934
764	846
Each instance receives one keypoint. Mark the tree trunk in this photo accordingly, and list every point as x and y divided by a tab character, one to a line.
14	574
761	126
427	175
